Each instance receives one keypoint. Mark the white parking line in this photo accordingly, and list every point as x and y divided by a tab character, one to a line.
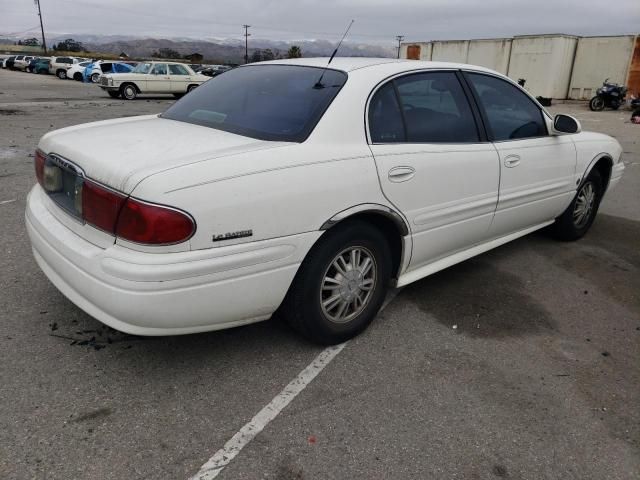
223	457
3	202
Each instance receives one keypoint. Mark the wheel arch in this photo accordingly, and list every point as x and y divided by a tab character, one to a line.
603	162
129	82
391	223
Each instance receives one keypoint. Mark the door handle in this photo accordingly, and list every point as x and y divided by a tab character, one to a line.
511	161
401	174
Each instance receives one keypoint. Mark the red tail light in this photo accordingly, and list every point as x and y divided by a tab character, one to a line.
150	224
100	206
39	164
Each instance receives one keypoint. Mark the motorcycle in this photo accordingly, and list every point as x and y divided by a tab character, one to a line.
608	95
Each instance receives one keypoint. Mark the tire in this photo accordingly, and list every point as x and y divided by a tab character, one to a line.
318	279
615	105
113	94
61	74
95	77
77	77
571	225
191	87
128	91
596	104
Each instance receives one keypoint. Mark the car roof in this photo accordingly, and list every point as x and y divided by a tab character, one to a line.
349	64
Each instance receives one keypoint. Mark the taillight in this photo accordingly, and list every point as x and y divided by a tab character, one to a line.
39	165
100	206
150	224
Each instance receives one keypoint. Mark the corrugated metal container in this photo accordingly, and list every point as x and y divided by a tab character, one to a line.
545	61
491	53
450	51
416	51
598	58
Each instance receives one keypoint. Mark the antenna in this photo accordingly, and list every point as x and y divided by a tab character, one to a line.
319	84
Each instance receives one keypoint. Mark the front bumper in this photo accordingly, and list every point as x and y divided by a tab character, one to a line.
616	175
165	293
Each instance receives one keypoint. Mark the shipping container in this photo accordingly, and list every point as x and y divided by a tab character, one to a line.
545	62
490	53
450	51
416	51
599	58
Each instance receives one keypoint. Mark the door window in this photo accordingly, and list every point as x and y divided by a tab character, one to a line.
427	108
159	69
177	70
511	114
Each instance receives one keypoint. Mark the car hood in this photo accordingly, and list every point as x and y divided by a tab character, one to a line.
121	153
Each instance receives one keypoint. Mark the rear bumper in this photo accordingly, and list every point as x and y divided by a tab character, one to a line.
165	293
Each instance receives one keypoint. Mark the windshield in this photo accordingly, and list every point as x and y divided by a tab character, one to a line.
268	102
142	68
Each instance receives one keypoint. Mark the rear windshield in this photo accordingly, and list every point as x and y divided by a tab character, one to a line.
267	102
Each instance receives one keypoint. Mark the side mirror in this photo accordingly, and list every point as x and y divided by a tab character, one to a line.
563	124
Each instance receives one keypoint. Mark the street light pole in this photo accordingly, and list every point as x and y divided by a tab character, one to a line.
246	43
44	43
399	38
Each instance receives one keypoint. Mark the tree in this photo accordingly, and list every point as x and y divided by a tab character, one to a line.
166	53
32	42
256	56
70	45
294	52
268	54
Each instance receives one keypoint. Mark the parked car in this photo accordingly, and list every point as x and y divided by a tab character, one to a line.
41	66
58	66
288	185
8	62
97	69
213	70
22	62
152	77
31	68
75	71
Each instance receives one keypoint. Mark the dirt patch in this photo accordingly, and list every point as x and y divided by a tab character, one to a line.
479	300
12	111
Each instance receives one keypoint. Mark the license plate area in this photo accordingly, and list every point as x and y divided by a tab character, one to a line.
63	182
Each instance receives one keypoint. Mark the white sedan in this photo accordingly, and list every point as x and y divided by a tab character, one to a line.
152	77
285	185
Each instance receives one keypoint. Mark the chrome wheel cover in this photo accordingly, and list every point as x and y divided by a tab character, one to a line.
348	284
583	207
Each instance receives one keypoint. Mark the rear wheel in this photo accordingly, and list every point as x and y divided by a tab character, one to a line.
128	91
178	95
341	285
596	104
95	77
580	214
61	74
77	77
191	87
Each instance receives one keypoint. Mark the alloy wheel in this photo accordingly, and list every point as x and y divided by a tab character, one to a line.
585	202
348	284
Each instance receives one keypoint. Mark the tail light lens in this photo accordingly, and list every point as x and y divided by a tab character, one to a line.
111	211
150	224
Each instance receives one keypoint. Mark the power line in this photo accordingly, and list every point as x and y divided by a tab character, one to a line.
399	38
246	42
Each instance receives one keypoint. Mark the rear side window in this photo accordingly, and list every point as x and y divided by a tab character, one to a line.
511	114
177	70
159	69
431	107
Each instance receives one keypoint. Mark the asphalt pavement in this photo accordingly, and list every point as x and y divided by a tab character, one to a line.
522	363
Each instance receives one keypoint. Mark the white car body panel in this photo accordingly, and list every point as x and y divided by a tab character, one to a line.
460	201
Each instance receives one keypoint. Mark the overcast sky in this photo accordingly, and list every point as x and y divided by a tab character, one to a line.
376	21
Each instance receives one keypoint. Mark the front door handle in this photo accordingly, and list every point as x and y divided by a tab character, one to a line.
511	161
401	174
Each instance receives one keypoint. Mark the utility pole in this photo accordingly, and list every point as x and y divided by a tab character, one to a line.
246	43
44	43
399	38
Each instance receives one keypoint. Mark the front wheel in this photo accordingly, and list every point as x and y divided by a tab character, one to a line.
95	77
596	104
128	92
61	74
580	214
341	285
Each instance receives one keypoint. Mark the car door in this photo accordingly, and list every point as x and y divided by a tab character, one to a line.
537	170
180	78
158	79
433	161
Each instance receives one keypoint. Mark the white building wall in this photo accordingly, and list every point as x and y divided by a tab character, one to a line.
450	51
493	54
545	61
598	58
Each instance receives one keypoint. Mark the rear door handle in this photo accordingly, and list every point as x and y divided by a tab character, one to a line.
511	161
401	174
